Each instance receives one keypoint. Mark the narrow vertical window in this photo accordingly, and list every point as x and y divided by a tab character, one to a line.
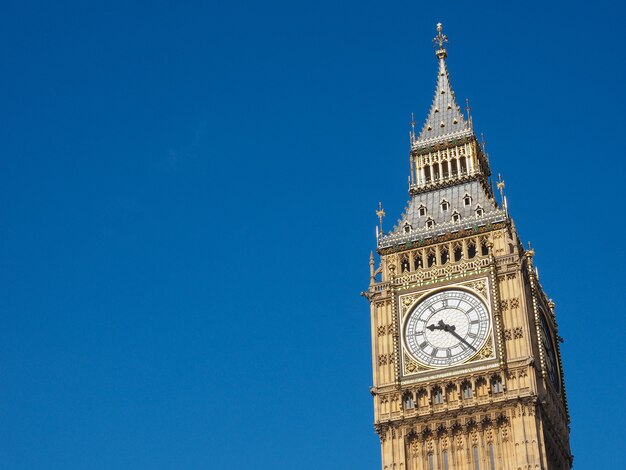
467	391
471	250
458	252
476	462
404	265
431	464
496	385
409	404
418	261
492	459
443	254
445	460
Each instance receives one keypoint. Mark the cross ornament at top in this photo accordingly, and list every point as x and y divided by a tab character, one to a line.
440	38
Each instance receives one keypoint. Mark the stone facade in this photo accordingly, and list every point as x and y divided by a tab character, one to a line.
504	406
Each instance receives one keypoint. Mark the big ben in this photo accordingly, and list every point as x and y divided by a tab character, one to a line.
467	372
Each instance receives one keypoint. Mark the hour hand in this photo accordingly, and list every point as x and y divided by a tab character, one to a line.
444	327
436	327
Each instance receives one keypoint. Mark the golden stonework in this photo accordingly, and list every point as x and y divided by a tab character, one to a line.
456	252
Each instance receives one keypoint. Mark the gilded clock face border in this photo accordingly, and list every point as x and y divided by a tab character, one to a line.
407	300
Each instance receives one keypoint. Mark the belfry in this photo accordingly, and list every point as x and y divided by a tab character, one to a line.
467	371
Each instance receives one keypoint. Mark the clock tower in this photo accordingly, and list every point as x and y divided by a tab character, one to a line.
467	372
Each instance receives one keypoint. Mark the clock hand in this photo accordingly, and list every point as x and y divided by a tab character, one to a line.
445	327
454	333
434	327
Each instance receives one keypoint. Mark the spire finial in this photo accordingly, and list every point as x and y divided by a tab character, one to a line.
380	213
467	110
412	128
440	39
500	185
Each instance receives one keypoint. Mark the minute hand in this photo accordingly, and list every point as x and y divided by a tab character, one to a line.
454	333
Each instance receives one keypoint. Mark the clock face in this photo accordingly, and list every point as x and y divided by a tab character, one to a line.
549	352
446	328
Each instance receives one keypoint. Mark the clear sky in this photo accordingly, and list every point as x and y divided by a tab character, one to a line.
187	196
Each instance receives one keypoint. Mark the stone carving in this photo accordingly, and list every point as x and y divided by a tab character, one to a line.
382	330
407	301
508	335
480	286
518	332
514	303
486	351
411	366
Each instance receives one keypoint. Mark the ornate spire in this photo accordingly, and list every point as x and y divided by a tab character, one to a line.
445	117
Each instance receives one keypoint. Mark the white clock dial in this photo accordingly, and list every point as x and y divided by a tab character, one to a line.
446	328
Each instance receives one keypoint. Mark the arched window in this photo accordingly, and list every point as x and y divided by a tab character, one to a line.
427	173
443	254
458	252
445	205
467	200
404	265
476	461
408	402
431	464
484	249
492	458
417	261
407	227
479	211
437	396
463	162
430	223
467	390
471	249
432	260
496	384
422	210
445	460
456	216
444	169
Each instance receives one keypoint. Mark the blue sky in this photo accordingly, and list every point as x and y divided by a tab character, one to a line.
188	195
